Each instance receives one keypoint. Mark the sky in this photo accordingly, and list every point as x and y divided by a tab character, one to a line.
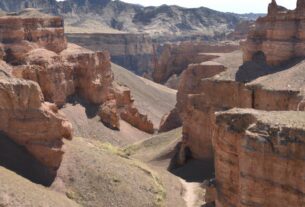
236	6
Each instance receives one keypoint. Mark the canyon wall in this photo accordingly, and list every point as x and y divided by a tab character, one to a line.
133	51
278	36
259	158
258	154
39	71
172	59
31	122
203	91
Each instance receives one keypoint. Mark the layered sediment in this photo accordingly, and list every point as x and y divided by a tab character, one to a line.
172	59
253	149
31	122
39	72
133	51
278	37
259	158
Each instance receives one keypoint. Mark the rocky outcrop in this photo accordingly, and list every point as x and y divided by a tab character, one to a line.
47	32
170	121
171	59
259	158
34	50
138	120
31	122
128	112
204	89
277	37
109	114
121	105
39	52
74	70
201	95
130	50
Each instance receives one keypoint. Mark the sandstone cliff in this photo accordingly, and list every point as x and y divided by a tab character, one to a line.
172	59
31	122
277	37
259	158
35	50
133	51
249	153
204	89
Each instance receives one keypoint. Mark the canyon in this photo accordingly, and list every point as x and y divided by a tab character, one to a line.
129	50
80	130
40	71
246	143
111	16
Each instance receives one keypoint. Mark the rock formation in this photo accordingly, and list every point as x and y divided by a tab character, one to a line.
278	37
31	122
35	50
170	121
252	148
105	15
172	59
132	51
259	158
121	105
109	114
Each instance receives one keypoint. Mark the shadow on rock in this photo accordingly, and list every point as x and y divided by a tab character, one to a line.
252	70
17	159
91	109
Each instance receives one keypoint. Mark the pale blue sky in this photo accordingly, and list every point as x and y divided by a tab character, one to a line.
237	6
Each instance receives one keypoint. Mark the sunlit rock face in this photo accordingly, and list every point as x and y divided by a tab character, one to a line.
31	122
278	37
259	158
38	72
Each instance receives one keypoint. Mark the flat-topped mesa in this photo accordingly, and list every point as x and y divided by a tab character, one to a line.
278	37
47	32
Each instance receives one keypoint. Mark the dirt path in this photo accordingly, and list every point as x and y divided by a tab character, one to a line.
193	195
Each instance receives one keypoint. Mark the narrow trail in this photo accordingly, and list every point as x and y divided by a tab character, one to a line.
192	195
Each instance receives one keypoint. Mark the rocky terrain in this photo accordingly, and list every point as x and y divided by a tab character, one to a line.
277	32
247	142
262	152
51	90
131	51
171	60
105	15
79	130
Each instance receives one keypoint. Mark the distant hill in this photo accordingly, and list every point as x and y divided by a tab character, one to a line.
162	23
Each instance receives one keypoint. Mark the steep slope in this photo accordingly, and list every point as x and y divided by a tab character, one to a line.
97	174
17	191
151	98
133	51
